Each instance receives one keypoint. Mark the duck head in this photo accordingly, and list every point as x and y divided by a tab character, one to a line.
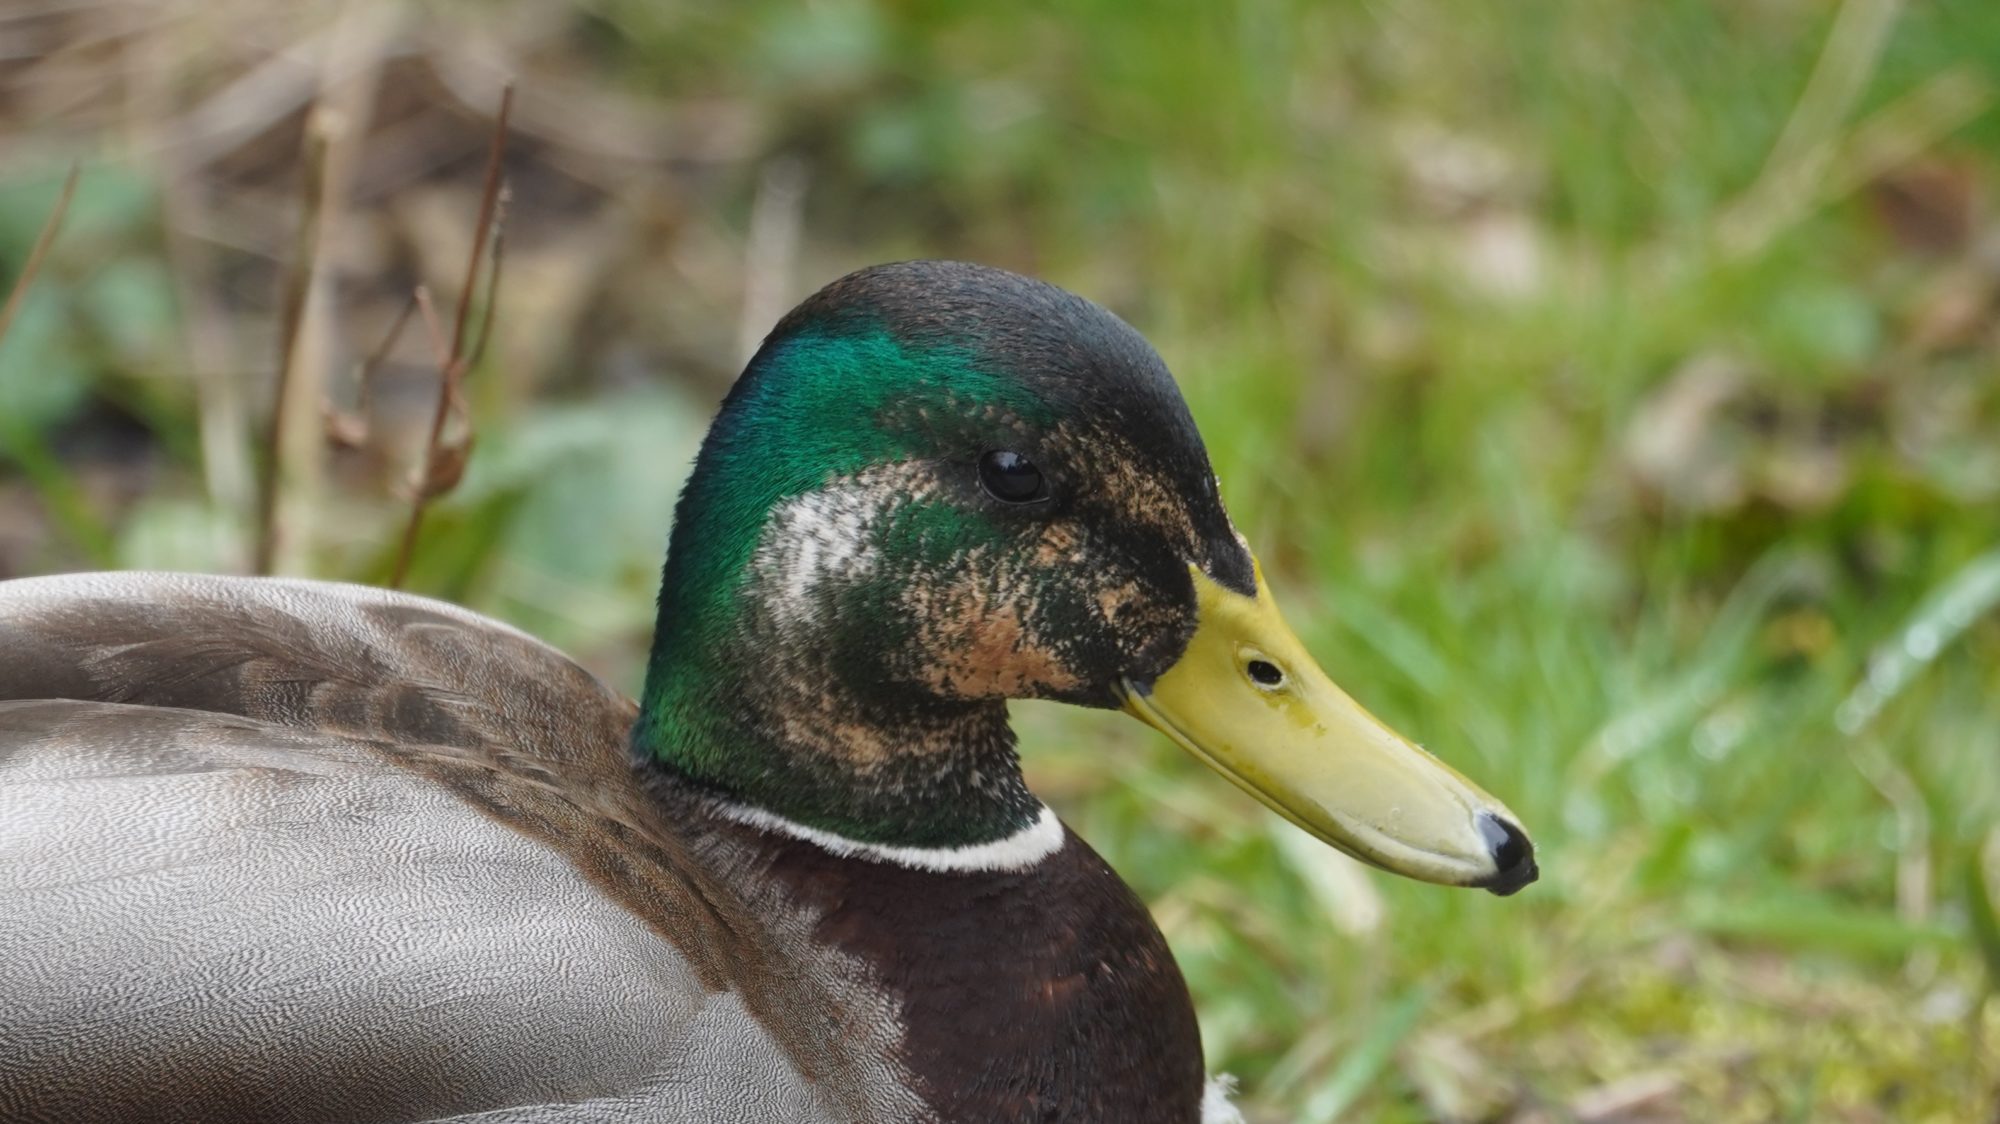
939	486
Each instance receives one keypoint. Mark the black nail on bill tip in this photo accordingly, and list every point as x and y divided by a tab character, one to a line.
1513	855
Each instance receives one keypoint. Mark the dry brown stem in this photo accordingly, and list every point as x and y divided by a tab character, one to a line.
444	464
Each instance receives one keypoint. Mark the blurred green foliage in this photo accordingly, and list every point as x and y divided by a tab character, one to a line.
1612	389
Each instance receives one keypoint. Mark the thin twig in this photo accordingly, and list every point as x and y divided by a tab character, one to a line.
489	210
452	368
354	432
43	241
365	376
494	258
440	347
420	487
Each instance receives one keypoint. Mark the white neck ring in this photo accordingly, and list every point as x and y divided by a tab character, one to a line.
1019	851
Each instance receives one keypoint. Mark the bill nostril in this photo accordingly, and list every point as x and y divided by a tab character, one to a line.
1513	855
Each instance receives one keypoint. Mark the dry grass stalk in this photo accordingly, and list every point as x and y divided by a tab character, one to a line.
292	312
444	463
336	126
43	240
777	217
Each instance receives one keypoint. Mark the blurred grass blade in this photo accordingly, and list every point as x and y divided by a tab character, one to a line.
1369	1057
1940	619
1673	705
1982	891
43	241
59	492
1799	923
1340	885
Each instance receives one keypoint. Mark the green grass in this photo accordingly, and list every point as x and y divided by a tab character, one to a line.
1422	268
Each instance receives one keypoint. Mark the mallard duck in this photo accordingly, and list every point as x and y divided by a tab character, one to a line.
284	850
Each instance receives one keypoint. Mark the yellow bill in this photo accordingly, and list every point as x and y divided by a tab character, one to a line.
1249	700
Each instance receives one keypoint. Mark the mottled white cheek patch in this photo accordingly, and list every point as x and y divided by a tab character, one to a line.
812	539
827	538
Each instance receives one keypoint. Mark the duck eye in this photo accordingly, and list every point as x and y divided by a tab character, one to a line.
1011	477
